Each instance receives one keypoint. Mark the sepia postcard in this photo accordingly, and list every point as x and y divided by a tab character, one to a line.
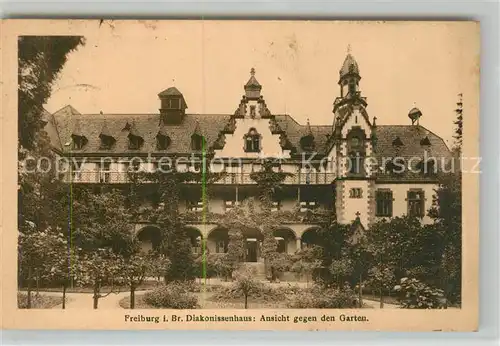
240	175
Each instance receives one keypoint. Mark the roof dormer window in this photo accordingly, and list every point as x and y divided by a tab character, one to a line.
135	139
425	141
196	142
78	142
397	142
107	142
134	143
162	142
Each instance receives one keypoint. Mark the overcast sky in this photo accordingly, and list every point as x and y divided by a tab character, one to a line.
122	68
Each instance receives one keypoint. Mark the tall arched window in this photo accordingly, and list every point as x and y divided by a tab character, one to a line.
252	141
356	151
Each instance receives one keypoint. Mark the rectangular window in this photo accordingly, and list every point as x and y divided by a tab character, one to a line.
384	203
105	174
416	203
307	205
196	206
276	206
196	246
174	104
230	204
76	171
220	246
355	192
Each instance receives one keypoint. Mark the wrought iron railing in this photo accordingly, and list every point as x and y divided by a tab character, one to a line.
113	177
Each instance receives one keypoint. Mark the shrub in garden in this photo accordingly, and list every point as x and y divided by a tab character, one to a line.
414	294
171	296
319	297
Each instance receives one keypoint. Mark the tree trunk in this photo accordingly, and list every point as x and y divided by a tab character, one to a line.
37	284
381	297
132	297
28	303
96	296
64	296
246	301
360	291
445	278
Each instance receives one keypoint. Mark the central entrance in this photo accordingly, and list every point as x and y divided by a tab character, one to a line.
252	250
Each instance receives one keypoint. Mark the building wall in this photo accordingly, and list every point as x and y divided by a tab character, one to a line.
347	207
399	195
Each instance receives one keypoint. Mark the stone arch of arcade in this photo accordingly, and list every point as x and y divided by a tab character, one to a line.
149	237
310	237
287	240
195	237
218	241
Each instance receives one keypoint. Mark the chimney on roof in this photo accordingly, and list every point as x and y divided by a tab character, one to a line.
173	106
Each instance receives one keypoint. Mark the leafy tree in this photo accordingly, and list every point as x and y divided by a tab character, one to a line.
43	255
341	269
447	215
100	220
278	263
59	265
360	258
235	251
306	261
334	242
382	276
246	283
138	267
459	123
446	212
100	268
414	294
40	60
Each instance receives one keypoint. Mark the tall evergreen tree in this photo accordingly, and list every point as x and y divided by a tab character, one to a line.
40	60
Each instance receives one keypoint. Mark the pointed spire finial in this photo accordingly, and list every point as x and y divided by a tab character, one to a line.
252	71
349	48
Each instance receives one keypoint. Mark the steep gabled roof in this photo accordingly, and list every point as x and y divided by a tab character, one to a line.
146	124
411	135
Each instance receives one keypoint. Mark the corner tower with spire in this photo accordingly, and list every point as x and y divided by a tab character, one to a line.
352	146
349	78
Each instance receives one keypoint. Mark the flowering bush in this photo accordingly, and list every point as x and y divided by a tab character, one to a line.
414	294
171	296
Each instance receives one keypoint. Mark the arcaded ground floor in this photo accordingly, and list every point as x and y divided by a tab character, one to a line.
290	238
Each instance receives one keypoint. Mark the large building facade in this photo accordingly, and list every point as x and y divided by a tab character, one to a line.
360	170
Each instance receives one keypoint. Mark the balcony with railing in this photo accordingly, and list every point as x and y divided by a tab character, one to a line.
113	177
